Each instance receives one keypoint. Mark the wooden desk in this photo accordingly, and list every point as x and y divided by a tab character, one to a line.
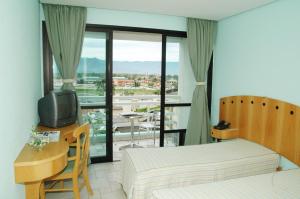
32	167
66	132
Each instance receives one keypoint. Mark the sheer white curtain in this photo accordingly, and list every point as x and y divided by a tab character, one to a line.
186	83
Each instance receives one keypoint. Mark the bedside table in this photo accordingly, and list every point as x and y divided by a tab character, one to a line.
224	134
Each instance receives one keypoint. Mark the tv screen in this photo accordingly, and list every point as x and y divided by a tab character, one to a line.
58	109
66	104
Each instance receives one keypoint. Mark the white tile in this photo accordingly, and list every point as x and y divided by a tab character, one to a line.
84	194
101	184
114	195
115	186
61	195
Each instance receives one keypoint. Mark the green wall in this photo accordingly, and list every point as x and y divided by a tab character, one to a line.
20	85
133	19
257	53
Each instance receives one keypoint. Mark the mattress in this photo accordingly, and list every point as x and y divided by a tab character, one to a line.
147	169
277	185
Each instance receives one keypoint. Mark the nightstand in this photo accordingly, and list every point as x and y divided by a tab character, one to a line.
224	134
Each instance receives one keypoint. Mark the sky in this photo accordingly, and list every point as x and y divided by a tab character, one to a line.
128	50
124	50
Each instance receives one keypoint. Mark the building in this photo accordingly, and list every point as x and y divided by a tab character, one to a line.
122	82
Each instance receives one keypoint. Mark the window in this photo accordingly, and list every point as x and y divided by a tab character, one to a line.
180	81
179	87
90	82
124	66
136	64
91	89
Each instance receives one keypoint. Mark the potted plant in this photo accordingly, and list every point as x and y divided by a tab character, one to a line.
37	140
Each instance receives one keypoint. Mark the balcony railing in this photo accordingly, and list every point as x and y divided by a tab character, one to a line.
127	100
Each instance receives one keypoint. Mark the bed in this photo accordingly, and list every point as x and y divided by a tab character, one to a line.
148	169
266	127
284	184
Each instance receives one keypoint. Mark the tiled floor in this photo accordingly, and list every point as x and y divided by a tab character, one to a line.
104	180
105	177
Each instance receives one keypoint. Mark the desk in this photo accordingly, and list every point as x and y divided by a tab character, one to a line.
32	167
66	132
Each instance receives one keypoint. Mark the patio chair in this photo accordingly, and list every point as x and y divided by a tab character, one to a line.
150	125
97	121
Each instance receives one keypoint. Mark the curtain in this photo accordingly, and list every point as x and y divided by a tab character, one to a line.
66	27
200	40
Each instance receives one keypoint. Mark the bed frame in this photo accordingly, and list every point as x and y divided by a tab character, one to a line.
269	122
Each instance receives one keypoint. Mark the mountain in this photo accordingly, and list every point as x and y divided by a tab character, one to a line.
91	65
94	65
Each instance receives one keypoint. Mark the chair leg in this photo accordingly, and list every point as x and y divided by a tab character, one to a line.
62	185
167	139
87	181
154	136
114	136
76	188
139	136
42	191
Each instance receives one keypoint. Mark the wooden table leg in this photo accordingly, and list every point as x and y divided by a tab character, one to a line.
32	190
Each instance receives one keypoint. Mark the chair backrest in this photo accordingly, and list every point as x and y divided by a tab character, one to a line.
134	104
82	135
151	117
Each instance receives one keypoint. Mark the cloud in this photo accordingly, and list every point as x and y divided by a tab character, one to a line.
124	50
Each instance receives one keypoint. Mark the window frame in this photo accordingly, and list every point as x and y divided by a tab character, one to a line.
48	78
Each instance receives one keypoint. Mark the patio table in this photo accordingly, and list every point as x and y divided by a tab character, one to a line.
131	116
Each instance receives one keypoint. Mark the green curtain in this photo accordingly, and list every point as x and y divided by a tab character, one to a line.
200	41
66	27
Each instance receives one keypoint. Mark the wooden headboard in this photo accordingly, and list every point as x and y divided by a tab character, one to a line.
269	122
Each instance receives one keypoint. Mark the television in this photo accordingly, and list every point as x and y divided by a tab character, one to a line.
58	109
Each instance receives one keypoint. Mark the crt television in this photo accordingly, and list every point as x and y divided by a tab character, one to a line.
58	109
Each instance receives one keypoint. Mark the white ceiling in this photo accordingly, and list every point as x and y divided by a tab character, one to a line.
205	9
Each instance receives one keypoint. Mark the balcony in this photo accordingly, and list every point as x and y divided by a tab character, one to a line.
145	128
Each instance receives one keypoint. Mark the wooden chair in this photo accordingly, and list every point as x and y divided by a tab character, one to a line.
77	165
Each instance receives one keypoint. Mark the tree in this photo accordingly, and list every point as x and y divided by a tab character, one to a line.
80	81
157	92
150	84
113	89
128	92
100	84
137	84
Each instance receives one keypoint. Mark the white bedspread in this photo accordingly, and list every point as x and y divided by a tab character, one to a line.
277	185
148	169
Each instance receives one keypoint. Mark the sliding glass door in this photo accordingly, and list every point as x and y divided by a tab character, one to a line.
178	86
136	90
122	70
93	92
92	88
